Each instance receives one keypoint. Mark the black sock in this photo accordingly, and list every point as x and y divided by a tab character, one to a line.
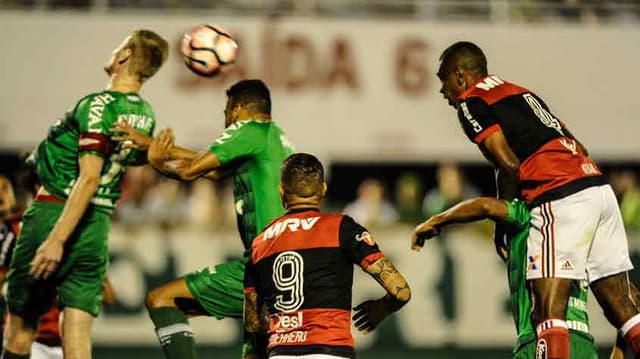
9	355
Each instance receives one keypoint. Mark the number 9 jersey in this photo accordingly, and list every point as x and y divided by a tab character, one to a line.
301	266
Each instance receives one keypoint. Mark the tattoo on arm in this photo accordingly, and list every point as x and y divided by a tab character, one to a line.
385	273
251	315
255	318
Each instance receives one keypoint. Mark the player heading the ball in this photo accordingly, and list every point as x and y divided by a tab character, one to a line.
62	248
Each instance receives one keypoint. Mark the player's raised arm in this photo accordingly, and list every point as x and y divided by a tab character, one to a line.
50	251
184	169
467	211
132	138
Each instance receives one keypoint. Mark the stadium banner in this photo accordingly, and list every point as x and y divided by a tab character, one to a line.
459	288
342	88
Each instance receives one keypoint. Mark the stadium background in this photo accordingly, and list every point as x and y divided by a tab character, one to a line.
353	82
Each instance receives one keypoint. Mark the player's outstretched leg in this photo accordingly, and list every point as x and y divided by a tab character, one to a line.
549	314
18	337
76	334
165	305
620	302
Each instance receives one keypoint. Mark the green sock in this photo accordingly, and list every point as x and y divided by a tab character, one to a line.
9	355
174	332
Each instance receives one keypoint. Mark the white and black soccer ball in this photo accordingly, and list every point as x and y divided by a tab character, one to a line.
207	50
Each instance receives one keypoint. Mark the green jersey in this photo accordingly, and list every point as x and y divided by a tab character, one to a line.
254	150
86	129
521	302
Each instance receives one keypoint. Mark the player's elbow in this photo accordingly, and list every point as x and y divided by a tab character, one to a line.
404	295
490	207
187	175
510	167
90	180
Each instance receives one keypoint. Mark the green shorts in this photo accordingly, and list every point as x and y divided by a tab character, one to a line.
220	292
79	277
581	348
220	289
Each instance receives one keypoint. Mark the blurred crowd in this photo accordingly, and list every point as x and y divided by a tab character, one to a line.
414	201
592	11
410	198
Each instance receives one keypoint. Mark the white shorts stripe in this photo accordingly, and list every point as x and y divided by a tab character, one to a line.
546	253
552	245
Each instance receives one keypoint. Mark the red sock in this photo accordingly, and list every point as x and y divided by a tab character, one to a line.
553	340
631	332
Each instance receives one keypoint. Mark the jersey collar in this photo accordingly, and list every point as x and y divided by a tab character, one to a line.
471	88
303	209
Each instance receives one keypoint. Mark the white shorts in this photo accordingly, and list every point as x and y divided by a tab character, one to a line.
307	356
580	236
41	351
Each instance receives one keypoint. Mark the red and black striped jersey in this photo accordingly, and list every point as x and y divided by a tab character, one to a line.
48	328
552	165
9	230
301	266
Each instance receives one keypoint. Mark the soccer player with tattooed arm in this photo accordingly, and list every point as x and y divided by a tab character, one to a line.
298	280
576	230
61	251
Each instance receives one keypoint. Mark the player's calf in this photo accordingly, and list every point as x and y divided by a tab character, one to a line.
171	323
620	302
18	337
76	334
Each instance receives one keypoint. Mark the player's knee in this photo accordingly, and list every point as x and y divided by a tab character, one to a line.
19	335
158	298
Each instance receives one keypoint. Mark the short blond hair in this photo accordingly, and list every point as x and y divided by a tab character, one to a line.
149	52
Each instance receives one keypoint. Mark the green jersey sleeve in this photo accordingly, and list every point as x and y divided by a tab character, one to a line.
518	214
240	140
95	117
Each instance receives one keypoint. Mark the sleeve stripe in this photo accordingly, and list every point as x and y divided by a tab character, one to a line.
94	142
370	259
486	133
249	290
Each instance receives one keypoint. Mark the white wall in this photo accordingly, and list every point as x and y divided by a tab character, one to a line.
587	74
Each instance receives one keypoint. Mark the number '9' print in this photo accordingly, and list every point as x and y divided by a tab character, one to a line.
288	277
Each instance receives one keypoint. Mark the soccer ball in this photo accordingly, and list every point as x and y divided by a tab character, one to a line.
207	50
